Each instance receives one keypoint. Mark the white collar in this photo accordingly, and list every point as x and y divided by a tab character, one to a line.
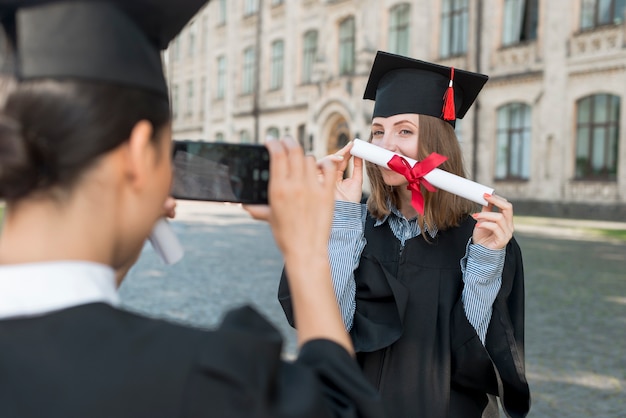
39	288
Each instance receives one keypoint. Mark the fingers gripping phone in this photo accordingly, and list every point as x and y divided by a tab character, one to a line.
220	172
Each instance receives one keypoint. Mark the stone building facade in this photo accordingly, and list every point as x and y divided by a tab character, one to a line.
547	131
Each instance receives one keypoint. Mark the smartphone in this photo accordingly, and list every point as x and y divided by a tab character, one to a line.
220	172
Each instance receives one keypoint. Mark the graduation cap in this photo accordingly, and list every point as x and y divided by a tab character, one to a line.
116	41
400	84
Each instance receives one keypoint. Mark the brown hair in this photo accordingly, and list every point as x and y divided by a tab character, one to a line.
441	209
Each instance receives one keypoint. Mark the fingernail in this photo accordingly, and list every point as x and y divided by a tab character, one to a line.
486	195
289	140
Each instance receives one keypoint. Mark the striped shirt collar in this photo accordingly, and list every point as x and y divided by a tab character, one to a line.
39	288
403	228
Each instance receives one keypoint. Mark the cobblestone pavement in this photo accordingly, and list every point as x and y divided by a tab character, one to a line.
575	299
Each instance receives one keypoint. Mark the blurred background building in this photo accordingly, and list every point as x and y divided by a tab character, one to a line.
547	130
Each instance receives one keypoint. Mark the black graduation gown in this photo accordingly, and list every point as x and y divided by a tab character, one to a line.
98	361
413	339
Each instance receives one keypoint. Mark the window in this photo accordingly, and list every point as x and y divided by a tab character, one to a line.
272	133
189	104
513	139
278	64
177	48
244	137
399	24
202	96
308	55
250	7
346	46
277	2
454	27
220	91
204	35
192	39
520	21
597	136
302	137
175	103
219	137
249	58
221	19
601	12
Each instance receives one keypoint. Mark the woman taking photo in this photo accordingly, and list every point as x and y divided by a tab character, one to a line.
430	289
85	169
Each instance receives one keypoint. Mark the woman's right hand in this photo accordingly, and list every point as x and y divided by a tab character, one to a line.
301	196
300	199
347	189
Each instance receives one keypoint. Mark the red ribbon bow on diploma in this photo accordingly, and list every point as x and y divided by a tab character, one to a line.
415	176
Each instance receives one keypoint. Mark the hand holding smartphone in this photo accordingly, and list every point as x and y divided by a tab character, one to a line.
212	171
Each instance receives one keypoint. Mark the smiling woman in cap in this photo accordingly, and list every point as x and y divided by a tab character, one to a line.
85	169
430	289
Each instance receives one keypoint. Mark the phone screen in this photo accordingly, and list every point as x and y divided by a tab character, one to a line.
220	172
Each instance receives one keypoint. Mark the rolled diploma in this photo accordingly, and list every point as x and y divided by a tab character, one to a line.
441	179
166	243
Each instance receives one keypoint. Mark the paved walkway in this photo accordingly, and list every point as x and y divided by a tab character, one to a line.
575	298
575	317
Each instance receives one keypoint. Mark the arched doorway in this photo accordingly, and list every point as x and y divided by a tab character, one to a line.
339	134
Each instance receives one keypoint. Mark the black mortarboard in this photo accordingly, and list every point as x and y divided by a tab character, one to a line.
400	84
117	41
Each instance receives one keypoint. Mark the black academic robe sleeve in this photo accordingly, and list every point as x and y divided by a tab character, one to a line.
245	376
503	351
284	298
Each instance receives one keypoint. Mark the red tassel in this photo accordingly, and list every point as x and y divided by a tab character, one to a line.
449	112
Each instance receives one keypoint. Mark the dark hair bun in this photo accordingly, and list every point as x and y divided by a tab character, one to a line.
17	176
51	131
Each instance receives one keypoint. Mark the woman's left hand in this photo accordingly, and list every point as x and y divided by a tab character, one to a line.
494	230
169	207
